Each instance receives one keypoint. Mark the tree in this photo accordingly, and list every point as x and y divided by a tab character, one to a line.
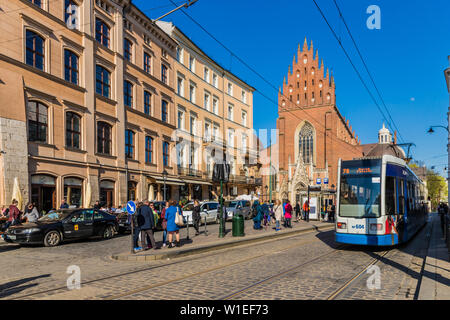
437	188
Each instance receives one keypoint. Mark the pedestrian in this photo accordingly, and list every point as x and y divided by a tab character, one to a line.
259	216
172	227
332	213
14	214
278	208
138	220
266	212
97	205
164	222
306	210
148	226
64	204
32	214
297	211
287	214
196	216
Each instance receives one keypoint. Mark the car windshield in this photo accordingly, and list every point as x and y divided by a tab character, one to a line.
231	204
55	216
188	207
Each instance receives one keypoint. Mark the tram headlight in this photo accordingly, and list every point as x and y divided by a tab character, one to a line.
341	225
376	226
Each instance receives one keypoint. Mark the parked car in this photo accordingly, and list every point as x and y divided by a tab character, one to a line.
242	207
65	224
208	209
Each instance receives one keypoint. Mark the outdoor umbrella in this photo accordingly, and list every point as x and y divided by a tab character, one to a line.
87	198
16	194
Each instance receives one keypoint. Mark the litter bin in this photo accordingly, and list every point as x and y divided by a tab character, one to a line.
238	226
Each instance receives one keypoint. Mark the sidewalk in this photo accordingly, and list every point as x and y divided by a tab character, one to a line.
436	274
202	243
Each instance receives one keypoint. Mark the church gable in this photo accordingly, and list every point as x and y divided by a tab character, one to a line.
307	84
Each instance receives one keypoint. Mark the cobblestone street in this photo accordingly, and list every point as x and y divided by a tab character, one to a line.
305	266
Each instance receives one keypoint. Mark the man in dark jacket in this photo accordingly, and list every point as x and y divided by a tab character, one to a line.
148	226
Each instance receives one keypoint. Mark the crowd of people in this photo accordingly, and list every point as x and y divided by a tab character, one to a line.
14	216
279	212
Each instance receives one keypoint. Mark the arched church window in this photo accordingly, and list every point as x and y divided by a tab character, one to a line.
306	142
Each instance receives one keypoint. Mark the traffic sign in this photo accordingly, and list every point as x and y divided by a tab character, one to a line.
325	180
318	181
131	207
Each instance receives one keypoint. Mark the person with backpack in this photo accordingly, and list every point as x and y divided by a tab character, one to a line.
148	226
138	221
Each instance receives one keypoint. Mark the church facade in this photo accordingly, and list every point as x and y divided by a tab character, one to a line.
312	133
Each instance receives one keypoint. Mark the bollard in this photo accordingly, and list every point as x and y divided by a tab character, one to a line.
206	231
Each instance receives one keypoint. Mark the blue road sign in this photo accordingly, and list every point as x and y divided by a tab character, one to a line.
131	207
325	180
318	181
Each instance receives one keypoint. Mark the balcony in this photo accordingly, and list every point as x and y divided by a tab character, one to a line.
189	172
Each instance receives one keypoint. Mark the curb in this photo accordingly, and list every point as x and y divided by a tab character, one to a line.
214	246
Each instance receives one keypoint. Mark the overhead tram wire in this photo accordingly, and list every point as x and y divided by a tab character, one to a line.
351	62
367	69
266	81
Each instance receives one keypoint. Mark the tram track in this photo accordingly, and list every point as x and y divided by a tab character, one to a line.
165	265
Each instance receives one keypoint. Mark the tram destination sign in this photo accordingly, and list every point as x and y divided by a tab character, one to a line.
361	167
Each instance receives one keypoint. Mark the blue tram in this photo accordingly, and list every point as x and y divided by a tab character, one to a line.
380	202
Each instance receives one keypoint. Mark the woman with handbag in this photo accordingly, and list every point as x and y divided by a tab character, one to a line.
173	217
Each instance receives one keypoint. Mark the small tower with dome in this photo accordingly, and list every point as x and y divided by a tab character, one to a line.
384	136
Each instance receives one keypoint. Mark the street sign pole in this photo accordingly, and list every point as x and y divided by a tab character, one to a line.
131	209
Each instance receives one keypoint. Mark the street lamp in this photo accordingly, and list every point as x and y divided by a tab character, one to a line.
430	131
164	173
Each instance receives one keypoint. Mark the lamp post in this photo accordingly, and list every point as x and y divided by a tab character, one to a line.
266	187
430	131
164	173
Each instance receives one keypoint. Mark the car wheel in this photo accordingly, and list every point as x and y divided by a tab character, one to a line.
108	232
52	238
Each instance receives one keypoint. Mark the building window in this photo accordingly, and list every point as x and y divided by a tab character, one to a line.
164	115
164	73
207	131
73	130
193	125
147	102
180	55
215	80
147	62
129	144
230	112
306	143
180	119
215	105
127	49
103	138
192	93
128	93
37	121
148	149
165	153
132	189
230	89
206	75
231	138
102	32
244	97
71	15
37	2
35	50
71	66
103	83
244	118
207	104
215	133
180	86
192	63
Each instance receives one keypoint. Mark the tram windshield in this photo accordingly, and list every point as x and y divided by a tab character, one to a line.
360	190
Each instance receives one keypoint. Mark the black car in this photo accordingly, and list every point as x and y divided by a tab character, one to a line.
64	224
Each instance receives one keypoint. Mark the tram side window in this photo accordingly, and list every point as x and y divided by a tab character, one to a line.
401	196
390	195
410	198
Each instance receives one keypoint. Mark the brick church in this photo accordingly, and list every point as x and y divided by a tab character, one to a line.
313	134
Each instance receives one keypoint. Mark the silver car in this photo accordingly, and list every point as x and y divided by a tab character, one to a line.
208	209
242	207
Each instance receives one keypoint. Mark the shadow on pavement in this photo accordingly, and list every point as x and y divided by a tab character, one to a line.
17	286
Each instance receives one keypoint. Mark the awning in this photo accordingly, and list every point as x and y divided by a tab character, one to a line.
197	182
169	180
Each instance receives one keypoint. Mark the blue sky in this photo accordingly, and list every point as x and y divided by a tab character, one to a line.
406	57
